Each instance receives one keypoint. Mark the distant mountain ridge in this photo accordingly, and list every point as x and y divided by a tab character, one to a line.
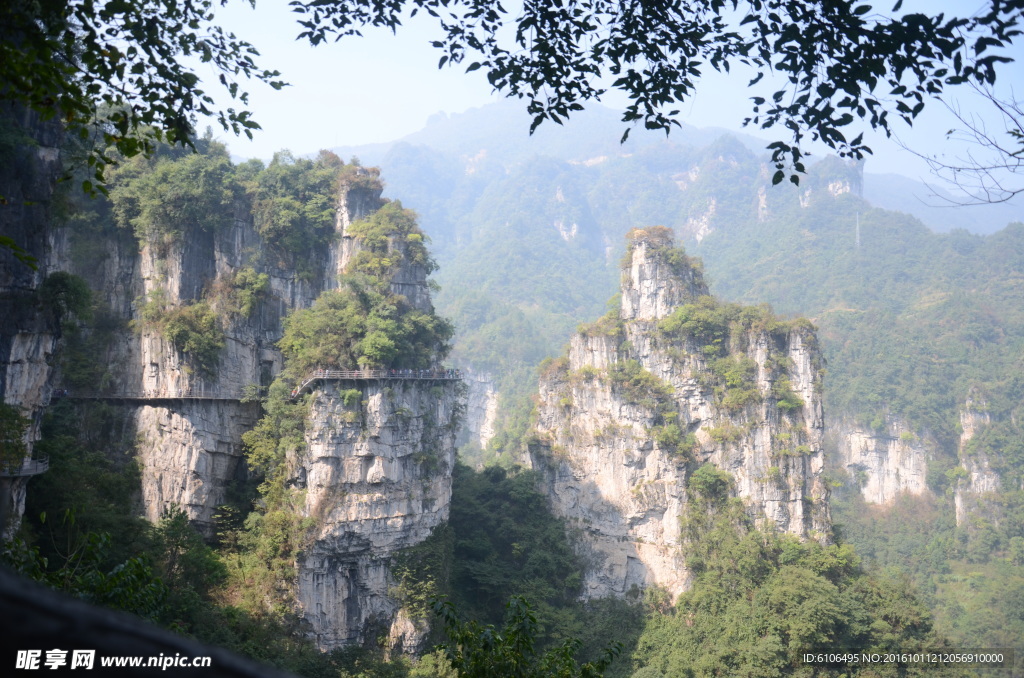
592	135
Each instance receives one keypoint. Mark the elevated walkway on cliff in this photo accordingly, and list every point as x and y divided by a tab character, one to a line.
28	467
318	376
307	384
153	395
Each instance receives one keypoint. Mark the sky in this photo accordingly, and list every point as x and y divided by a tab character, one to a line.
382	87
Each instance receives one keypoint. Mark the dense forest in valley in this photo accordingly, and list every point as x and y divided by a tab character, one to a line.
912	323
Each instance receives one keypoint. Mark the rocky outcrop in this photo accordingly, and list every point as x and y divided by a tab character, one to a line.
376	471
377	478
636	407
28	330
190	450
189	454
481	408
979	478
882	464
700	227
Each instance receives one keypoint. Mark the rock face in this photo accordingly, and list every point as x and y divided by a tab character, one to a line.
28	332
190	454
377	475
882	464
634	410
376	468
981	479
481	408
190	450
378	479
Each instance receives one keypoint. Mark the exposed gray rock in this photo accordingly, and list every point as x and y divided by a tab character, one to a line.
377	478
28	332
969	495
619	488
883	464
481	408
189	454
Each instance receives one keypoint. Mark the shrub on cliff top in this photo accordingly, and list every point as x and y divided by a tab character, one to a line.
712	323
294	202
660	241
360	325
166	195
389	236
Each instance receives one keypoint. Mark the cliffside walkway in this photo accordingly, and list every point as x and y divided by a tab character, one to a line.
28	467
155	394
374	375
306	386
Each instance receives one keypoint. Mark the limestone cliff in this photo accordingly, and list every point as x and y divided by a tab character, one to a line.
375	472
28	331
377	476
675	381
881	463
481	408
979	479
186	421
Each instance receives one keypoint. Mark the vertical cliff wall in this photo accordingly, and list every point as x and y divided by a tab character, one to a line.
377	478
187	419
190	313
376	466
481	408
192	290
29	330
675	381
881	463
979	480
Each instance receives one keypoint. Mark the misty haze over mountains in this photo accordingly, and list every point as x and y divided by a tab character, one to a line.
484	133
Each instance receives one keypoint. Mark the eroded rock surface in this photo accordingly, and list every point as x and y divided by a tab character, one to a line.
618	472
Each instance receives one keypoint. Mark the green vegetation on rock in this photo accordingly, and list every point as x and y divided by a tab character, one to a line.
159	198
13	429
387	237
294	204
361	324
760	600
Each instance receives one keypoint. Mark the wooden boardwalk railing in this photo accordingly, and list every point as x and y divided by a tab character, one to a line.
305	386
155	394
373	375
29	467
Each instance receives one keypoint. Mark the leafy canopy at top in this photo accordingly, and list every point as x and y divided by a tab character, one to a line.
122	67
841	60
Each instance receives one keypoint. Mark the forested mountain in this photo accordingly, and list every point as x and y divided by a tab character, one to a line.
922	331
248	355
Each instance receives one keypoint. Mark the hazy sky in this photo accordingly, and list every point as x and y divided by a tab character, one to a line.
382	87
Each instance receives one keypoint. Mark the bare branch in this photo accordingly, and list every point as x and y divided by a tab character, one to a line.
991	170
